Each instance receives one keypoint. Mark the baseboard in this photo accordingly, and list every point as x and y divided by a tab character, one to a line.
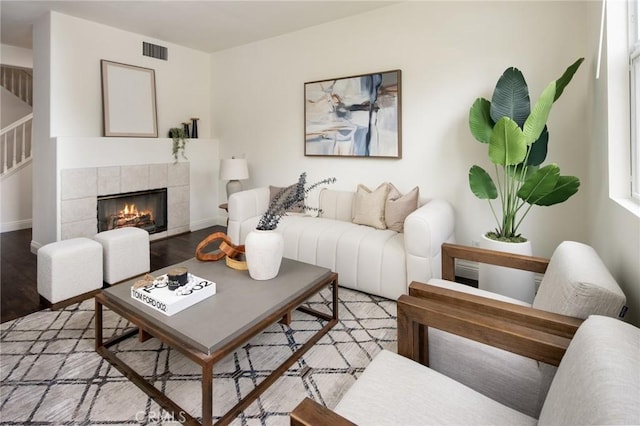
468	269
34	246
15	226
207	223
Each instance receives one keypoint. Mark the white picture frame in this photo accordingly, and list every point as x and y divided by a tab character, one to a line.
128	100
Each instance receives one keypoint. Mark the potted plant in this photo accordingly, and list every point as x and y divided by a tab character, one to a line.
179	142
517	138
264	246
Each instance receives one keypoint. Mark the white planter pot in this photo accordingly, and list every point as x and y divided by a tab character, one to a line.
507	281
264	250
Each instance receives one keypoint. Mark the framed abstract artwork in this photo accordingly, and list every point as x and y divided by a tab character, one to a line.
128	100
357	116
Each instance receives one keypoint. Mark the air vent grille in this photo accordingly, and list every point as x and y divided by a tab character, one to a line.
154	51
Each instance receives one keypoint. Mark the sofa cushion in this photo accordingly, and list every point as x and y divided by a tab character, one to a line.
578	284
336	204
368	208
598	380
398	207
365	258
394	390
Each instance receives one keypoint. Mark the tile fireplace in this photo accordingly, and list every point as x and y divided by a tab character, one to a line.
83	189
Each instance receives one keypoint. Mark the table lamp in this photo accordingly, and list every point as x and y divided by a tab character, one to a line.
234	169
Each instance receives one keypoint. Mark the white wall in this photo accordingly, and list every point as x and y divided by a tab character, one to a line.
45	215
182	82
449	53
70	103
614	231
12	107
16	56
16	205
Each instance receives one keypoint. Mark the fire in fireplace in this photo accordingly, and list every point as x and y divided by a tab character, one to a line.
143	209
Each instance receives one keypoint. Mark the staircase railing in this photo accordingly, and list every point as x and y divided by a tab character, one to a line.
17	81
15	145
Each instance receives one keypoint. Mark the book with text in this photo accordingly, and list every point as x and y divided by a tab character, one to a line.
157	295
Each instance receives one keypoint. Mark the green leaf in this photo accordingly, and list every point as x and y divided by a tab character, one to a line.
481	184
511	97
507	145
562	82
515	172
480	121
539	149
536	121
539	184
564	189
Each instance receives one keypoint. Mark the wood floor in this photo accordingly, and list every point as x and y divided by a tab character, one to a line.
18	267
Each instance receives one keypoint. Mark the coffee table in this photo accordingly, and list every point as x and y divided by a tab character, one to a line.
215	327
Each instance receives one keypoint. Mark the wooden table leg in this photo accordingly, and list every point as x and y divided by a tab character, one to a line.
207	394
98	325
286	319
143	335
334	290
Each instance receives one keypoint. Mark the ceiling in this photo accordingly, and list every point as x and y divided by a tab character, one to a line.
208	26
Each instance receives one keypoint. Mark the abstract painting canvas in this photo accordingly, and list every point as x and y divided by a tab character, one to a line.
356	116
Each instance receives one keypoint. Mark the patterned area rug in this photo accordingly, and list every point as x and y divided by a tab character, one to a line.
50	373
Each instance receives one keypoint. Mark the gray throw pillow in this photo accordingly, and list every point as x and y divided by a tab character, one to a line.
398	207
274	190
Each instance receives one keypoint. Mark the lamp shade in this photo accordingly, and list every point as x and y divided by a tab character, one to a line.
234	169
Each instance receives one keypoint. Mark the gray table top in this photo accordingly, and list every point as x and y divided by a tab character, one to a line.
239	303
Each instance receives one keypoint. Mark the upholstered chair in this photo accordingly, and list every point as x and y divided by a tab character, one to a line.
597	381
576	283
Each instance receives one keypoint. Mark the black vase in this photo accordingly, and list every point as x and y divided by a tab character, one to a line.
185	127
194	128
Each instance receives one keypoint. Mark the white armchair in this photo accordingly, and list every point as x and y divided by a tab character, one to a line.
597	381
576	283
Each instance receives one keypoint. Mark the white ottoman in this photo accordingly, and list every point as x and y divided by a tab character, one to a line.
69	268
125	253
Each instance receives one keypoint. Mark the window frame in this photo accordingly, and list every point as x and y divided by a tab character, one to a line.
634	96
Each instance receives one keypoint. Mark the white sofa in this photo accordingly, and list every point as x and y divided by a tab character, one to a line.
380	262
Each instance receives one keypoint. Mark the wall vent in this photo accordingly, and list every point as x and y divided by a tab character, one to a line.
155	51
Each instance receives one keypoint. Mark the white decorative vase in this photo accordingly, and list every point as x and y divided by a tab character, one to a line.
510	282
264	250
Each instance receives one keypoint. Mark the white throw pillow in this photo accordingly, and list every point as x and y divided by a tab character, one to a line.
368	208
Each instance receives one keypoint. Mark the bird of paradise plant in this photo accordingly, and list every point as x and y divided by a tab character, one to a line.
517	138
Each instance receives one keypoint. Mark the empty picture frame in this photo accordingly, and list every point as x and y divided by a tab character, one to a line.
357	116
128	100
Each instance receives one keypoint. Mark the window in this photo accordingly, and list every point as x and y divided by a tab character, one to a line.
634	61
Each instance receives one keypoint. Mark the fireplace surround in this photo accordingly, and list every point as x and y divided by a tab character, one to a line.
81	187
